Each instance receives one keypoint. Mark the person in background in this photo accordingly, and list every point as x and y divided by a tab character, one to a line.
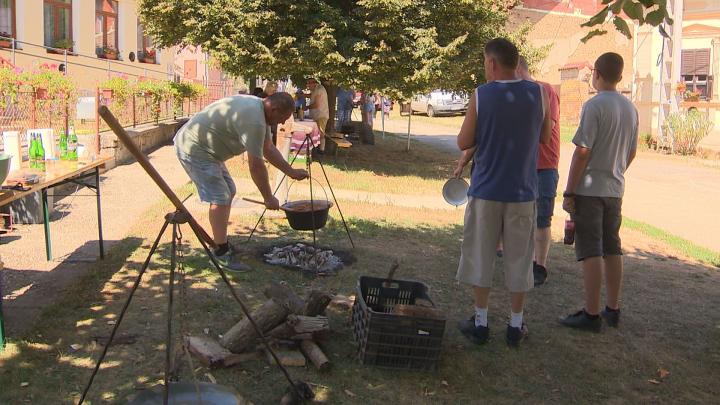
368	107
226	128
319	110
258	92
300	103
547	174
386	107
344	106
270	88
505	122
605	146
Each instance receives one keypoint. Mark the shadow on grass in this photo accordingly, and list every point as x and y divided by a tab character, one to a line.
389	157
669	322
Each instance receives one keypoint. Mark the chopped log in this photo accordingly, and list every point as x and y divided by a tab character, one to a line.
285	296
424	302
308	324
315	354
316	303
211	354
282	331
289	358
243	334
417	311
342	302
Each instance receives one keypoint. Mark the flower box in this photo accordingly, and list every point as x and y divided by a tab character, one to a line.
109	55
41	93
5	43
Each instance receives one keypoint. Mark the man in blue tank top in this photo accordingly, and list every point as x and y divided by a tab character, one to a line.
505	122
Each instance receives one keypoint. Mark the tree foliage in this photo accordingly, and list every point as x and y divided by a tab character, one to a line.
399	47
653	12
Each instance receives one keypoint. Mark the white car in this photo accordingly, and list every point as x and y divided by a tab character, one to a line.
439	102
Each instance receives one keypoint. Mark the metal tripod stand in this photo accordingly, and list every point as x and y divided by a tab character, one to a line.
307	145
176	219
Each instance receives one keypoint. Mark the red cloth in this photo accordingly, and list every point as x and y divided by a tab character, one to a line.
549	153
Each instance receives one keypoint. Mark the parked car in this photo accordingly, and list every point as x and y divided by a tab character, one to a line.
439	102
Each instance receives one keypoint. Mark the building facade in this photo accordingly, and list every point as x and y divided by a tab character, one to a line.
90	39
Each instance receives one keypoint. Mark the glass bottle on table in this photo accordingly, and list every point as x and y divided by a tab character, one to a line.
32	150
72	143
62	145
40	153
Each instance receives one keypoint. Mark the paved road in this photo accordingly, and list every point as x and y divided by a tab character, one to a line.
676	194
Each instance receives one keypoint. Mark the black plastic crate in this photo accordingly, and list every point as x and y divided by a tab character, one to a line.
391	340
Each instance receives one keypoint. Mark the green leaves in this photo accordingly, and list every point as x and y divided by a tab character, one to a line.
399	47
598	18
622	26
652	12
634	11
593	33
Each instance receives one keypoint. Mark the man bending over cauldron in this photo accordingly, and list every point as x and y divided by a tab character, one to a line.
227	128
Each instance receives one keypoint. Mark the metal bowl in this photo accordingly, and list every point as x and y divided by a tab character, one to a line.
186	393
455	191
4	166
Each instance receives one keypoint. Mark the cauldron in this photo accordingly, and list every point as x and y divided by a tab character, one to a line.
307	215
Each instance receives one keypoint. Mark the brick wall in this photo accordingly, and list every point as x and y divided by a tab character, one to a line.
573	93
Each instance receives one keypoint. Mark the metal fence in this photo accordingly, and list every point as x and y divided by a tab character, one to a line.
29	112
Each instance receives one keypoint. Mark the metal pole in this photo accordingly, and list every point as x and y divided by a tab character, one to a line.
13	51
99	212
408	139
97	121
66	63
382	111
171	291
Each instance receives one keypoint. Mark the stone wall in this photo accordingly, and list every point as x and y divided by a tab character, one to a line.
146	137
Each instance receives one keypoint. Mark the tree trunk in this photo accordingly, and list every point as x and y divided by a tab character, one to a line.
331	89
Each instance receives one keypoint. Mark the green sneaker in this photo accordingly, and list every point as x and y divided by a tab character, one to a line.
229	262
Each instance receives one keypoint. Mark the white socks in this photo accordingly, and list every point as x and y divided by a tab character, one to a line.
481	316
516	319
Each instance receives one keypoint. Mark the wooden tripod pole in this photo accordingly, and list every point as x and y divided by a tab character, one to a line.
150	169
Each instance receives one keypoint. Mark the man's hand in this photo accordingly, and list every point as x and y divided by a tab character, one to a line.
569	204
298	174
459	170
272	203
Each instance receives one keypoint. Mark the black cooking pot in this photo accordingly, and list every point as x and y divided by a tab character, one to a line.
306	215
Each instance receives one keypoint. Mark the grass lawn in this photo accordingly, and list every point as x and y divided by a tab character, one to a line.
385	167
670	320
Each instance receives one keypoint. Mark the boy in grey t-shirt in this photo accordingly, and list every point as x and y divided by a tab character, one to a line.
606	141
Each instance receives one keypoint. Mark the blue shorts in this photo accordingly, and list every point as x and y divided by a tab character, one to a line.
211	178
547	189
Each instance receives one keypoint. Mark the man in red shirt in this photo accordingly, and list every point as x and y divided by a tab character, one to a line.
547	171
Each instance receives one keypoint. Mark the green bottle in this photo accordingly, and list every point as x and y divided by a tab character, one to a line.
40	153
72	143
62	145
33	150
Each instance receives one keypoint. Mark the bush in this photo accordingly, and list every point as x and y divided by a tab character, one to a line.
687	130
121	87
185	90
158	91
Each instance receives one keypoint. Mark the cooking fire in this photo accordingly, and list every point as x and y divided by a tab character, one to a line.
305	257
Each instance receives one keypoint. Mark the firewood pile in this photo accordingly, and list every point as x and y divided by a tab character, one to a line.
293	325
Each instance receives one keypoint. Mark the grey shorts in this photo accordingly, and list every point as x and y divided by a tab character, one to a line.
485	223
211	177
597	226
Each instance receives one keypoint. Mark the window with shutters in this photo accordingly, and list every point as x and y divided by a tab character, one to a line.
695	71
7	19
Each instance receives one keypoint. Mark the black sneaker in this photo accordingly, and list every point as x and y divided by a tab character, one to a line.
612	318
580	320
540	274
477	334
514	336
